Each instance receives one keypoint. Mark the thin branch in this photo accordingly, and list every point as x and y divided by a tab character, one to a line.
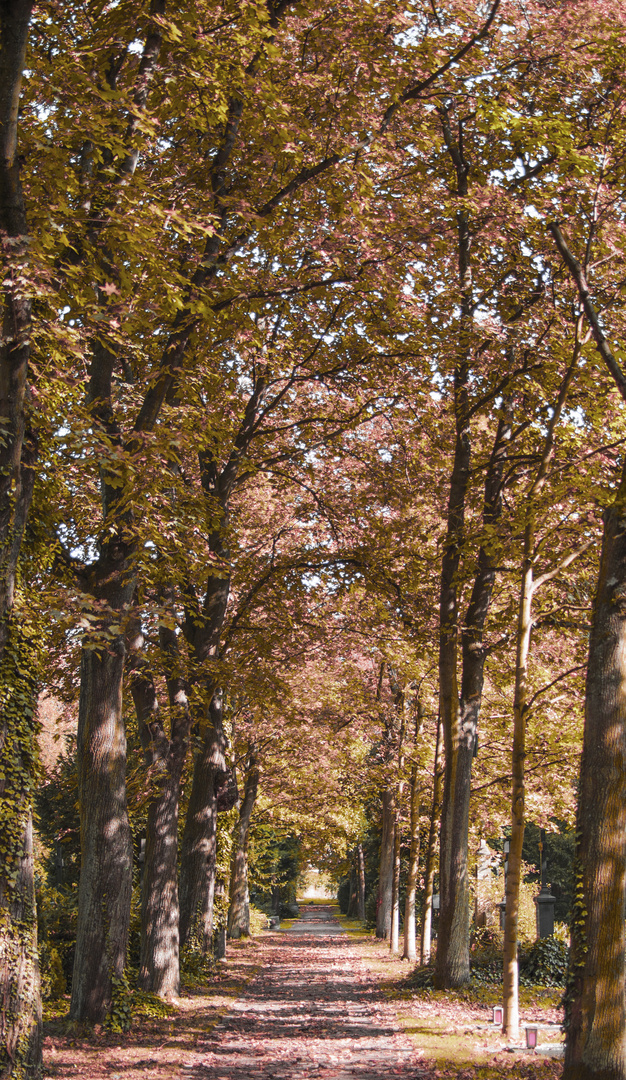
580	281
418	88
559	678
562	565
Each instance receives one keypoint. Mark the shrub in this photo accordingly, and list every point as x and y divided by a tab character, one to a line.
544	963
53	981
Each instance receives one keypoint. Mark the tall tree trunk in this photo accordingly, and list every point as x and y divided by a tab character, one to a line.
239	906
453	938
199	844
595	1047
528	587
385	873
431	852
20	1014
410	949
462	726
394	936
352	889
159	967
595	1042
360	881
510	1025
105	838
106	848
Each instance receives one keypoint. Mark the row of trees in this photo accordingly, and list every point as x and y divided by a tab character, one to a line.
303	372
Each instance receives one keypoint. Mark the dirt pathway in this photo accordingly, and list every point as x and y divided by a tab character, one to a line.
314	1010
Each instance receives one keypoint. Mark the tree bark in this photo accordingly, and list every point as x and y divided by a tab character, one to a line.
431	853
510	1023
410	948
452	967
20	1014
595	1021
360	882
352	890
199	844
239	906
106	843
385	874
453	939
528	587
159	967
595	1047
394	936
462	727
16	474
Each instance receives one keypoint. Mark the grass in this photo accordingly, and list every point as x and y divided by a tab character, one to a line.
452	1027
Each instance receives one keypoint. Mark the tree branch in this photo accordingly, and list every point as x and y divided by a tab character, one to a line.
580	280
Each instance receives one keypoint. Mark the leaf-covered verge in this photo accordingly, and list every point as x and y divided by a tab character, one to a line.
159	1032
454	1027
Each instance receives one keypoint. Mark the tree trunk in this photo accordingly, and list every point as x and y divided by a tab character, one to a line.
159	966
595	1047
453	940
462	723
239	907
431	853
20	1013
360	882
352	889
106	844
16	469
410	949
510	1024
394	937
199	844
385	874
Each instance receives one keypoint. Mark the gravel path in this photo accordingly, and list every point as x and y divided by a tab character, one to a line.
314	1010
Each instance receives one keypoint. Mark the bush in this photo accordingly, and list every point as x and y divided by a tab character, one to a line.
486	969
53	981
421	978
258	920
197	967
544	963
57	911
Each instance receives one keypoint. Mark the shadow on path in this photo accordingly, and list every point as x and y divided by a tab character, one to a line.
313	1011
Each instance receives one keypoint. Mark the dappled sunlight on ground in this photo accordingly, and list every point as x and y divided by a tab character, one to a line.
308	1002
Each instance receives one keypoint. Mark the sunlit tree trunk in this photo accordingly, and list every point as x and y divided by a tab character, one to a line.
239	905
410	949
452	966
595	1042
105	838
385	873
199	844
431	851
528	587
360	880
159	967
394	936
595	1046
510	1024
